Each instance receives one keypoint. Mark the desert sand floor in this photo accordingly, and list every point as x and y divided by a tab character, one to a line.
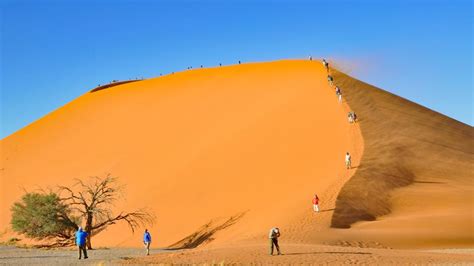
310	254
10	255
243	254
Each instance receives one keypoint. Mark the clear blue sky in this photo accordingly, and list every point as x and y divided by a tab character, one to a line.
54	51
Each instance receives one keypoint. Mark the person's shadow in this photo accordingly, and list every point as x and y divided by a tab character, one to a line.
327	210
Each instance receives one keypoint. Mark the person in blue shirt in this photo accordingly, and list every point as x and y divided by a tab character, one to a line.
147	241
81	242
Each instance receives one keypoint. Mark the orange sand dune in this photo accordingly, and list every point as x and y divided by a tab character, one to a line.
224	154
196	146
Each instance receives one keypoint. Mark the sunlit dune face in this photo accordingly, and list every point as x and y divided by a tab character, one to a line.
192	146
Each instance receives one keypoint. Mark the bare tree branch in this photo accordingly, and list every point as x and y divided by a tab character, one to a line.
93	201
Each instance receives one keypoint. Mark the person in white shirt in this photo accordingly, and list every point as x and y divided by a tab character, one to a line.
273	236
339	93
348	161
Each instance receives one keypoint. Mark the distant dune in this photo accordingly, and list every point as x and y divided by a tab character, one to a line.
223	154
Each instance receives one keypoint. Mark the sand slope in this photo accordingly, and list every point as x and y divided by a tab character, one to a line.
417	170
221	155
195	147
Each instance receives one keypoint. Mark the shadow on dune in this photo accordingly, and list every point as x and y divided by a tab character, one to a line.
342	252
327	252
429	182
205	233
327	210
36	257
113	84
403	141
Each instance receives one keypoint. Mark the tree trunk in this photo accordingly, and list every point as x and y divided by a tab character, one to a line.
89	229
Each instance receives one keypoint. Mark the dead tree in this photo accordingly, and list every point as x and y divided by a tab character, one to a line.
93	201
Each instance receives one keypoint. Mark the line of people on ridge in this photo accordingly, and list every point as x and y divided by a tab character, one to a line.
352	117
202	66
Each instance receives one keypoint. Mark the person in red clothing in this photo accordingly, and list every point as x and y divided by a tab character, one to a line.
316	203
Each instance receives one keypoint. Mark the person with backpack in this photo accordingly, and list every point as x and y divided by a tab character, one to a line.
81	242
350	117
316	203
147	241
326	65
330	80
348	161
273	236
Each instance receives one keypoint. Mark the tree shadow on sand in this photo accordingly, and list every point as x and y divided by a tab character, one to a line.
205	233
